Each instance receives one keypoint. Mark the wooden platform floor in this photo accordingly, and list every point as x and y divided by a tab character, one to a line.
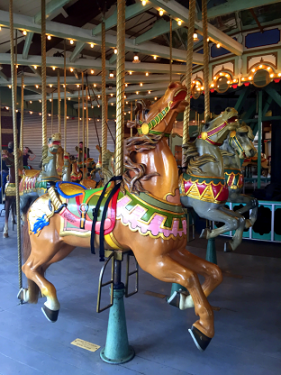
247	321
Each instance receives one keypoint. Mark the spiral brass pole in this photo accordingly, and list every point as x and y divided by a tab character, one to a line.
43	72
120	86
65	105
206	60
22	111
52	113
188	76
171	50
131	119
87	120
79	115
59	107
103	93
15	139
83	125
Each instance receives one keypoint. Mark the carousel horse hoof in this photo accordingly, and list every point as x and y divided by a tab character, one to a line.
174	299
51	315
204	233
200	340
227	247
22	294
248	224
5	235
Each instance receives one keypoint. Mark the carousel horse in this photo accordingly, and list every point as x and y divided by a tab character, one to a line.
107	171
203	186
76	175
10	188
87	181
66	167
60	161
34	182
144	215
235	148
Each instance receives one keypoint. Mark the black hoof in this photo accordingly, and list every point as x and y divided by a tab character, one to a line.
51	315
174	299
227	247
200	340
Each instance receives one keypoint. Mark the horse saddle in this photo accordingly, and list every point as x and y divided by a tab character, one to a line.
80	204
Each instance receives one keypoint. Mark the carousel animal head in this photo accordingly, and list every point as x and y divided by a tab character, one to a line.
8	157
54	143
159	117
241	141
216	131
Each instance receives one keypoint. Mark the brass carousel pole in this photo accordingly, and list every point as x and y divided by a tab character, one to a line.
78	115
83	126
131	119
43	73
87	120
103	93
52	113
117	349
15	139
65	105
59	107
1	178
206	60
188	75
22	112
171	50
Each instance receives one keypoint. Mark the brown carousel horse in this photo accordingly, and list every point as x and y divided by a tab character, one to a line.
10	188
149	220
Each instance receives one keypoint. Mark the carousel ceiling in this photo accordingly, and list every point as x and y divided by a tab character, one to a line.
78	22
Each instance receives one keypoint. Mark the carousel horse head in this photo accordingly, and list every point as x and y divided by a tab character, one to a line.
66	158
241	141
8	157
215	131
158	117
54	143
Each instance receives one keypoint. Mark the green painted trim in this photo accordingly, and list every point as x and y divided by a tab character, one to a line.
201	179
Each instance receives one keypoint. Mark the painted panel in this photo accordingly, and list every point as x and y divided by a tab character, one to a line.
258	39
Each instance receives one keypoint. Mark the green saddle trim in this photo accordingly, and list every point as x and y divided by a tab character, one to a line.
154	206
202	179
41	185
91	200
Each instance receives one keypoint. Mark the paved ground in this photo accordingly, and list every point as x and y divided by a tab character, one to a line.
247	340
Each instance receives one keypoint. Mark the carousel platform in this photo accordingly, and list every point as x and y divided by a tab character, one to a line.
247	321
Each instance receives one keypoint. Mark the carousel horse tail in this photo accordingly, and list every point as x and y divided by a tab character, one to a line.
32	287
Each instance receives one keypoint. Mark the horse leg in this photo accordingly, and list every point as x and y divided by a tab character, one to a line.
252	204
166	269
237	238
7	211
13	210
211	272
63	252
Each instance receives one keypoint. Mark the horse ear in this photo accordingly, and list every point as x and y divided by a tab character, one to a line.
131	124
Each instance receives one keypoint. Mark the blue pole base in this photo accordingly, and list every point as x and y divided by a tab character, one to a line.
117	349
211	254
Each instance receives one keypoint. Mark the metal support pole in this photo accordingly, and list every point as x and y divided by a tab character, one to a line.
117	349
1	179
131	119
260	136
83	126
43	73
87	120
171	50
65	105
15	139
206	60
22	112
59	107
104	100
79	115
211	255
52	113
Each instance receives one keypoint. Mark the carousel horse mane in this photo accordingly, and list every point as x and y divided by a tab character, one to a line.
138	144
193	161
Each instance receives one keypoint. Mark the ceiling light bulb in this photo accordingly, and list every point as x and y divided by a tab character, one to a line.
149	92
212	85
147	74
37	86
155	57
92	106
30	101
40	101
261	66
49	37
92	45
71	41
98	96
31	112
95	85
71	69
141	84
125	97
143	3
111	75
92	71
50	85
268	68
279	74
10	86
115	51
250	77
126	84
179	22
54	68
98	105
137	92
127	102
50	100
136	59
218	45
155	98
24	32
89	97
271	75
111	103
77	85
243	79
195	36
35	66
68	98
111	95
161	12
253	70
208	39
49	114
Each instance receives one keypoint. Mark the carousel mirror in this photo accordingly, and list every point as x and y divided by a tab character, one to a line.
196	91
222	85
261	78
